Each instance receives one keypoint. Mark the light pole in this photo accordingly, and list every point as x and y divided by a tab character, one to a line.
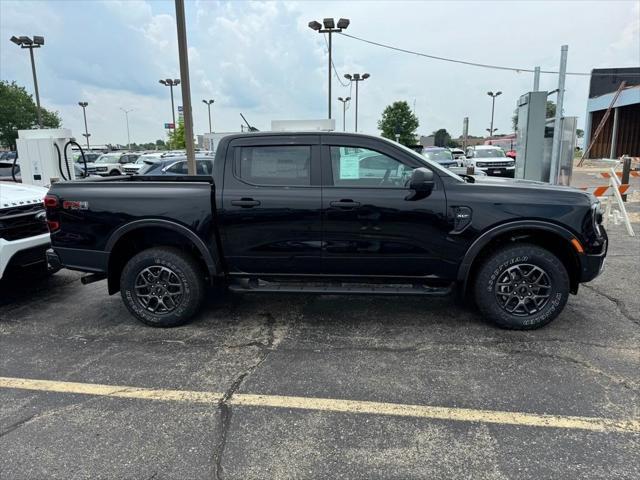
36	42
356	77
86	133
126	115
330	28
344	111
209	103
171	83
493	106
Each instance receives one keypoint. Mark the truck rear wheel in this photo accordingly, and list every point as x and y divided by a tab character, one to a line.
162	287
521	287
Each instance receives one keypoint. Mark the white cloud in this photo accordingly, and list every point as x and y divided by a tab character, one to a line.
261	59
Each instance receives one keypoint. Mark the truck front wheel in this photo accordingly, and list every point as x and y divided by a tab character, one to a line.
162	287
521	287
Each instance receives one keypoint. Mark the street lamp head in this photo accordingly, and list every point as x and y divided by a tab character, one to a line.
490	94
176	81
365	76
169	81
38	40
329	23
163	82
16	40
356	76
341	99
348	76
315	25
25	40
83	104
498	93
343	23
347	99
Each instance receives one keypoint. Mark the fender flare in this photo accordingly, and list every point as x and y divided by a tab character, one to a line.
211	263
486	237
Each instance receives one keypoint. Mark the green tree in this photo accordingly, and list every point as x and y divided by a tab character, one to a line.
398	118
18	111
176	137
160	144
551	112
441	138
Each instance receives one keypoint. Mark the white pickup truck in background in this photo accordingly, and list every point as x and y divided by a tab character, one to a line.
24	234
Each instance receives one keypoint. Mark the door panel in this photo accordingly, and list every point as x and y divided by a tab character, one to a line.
371	227
270	216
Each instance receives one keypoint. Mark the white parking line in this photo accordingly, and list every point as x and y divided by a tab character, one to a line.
597	424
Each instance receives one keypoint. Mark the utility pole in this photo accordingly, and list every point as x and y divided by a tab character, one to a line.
344	112
536	79
465	132
557	122
126	114
330	28
36	42
356	77
86	133
209	103
171	83
493	106
186	90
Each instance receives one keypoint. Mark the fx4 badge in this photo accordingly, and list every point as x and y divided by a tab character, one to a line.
73	205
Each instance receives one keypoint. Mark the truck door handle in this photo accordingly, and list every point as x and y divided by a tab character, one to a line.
245	203
345	204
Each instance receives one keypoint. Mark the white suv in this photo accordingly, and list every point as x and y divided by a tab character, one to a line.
491	160
24	235
111	164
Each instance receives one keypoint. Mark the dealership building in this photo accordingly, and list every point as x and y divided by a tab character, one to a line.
620	134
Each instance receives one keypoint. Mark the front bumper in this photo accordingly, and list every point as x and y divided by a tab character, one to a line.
498	170
8	249
592	265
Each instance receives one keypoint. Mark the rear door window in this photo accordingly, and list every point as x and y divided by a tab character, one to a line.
275	165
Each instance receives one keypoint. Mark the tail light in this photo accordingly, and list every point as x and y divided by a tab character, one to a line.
53	225
51	201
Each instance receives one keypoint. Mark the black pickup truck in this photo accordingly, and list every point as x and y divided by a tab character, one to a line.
328	213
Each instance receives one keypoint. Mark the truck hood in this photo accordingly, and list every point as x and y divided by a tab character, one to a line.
529	184
15	194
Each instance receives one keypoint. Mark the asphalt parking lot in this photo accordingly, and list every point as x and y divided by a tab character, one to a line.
320	387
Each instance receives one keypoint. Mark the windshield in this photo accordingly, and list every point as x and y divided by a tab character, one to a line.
426	161
108	158
438	155
147	159
489	153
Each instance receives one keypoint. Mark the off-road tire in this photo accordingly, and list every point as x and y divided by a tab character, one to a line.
500	266
187	273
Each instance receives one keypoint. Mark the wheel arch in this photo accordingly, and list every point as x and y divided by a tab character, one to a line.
138	235
554	238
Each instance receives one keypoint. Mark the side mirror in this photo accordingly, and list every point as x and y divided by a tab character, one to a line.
421	180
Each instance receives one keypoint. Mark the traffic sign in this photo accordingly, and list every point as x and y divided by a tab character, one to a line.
180	108
169	125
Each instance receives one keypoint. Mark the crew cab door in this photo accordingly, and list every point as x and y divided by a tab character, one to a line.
371	225
270	220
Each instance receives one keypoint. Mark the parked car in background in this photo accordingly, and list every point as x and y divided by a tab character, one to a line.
5	171
144	159
441	155
9	155
24	235
178	166
491	160
110	164
458	156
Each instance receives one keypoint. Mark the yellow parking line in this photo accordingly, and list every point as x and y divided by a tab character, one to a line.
597	424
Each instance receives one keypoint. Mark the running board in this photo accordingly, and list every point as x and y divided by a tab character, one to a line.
338	289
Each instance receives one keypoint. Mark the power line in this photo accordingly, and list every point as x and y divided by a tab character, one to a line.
333	64
475	64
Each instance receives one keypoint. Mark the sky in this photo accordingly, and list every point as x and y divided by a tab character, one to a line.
261	59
